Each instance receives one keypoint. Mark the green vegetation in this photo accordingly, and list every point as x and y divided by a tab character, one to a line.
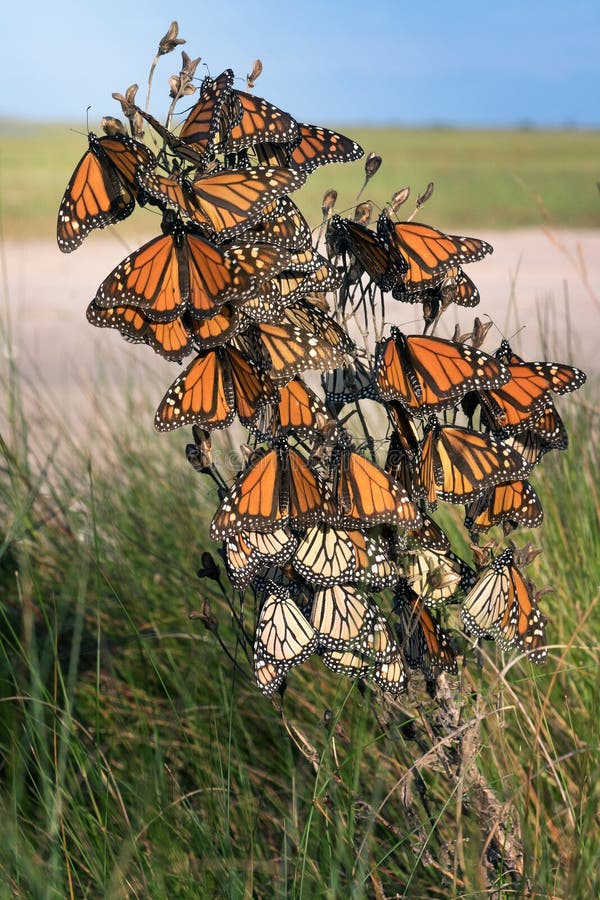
483	179
138	761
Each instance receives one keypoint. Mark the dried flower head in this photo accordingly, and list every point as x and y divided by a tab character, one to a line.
209	568
399	198
170	40
328	202
188	65
363	212
424	197
112	126
257	68
128	101
480	330
179	87
372	164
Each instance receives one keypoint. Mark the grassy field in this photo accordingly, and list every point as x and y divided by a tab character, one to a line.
139	761
493	179
137	757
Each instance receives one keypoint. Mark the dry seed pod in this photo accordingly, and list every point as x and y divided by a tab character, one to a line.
363	212
372	164
480	330
398	199
257	68
424	197
112	126
328	202
170	40
128	101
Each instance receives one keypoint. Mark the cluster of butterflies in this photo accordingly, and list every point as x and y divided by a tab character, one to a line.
313	523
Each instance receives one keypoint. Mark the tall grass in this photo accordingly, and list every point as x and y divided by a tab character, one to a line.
138	758
484	179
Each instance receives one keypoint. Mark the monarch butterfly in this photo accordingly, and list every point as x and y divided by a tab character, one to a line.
458	464
437	576
428	253
351	663
314	146
326	556
228	202
174	272
218	384
172	340
389	673
259	121
246	553
102	189
260	261
540	436
276	489
524	397
203	126
382	266
366	495
218	330
456	287
514	503
318	146
284	226
299	411
428	536
343	617
349	383
305	338
425	645
428	373
502	607
283	639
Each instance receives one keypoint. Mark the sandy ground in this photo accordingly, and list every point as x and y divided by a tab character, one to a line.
546	281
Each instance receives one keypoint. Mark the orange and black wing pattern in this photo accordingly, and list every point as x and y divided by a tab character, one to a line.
523	399
277	489
173	339
218	384
366	495
457	464
345	237
429	253
102	189
428	374
231	201
425	644
259	122
502	606
298	411
172	273
512	504
318	146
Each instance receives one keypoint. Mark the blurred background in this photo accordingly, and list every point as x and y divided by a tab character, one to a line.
136	760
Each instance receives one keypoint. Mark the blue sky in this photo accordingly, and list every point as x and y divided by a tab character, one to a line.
371	62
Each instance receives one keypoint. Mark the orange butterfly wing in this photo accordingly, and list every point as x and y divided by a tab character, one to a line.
170	339
366	495
260	122
318	146
429	253
428	373
102	189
